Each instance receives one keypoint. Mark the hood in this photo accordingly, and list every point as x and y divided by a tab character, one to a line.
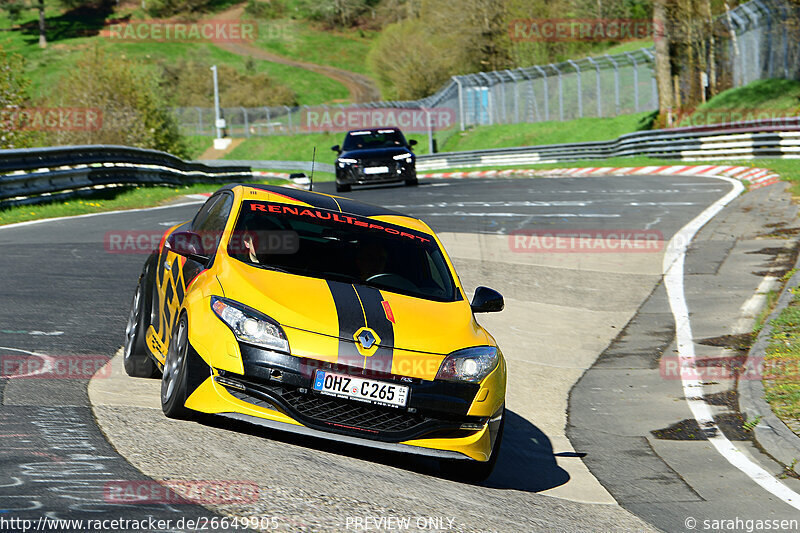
341	310
377	153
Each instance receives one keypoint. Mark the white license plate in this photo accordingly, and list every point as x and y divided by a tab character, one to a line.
365	390
376	170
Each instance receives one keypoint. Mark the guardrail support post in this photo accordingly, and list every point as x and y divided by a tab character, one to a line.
460	102
631	57
546	95
580	88
616	84
560	94
597	86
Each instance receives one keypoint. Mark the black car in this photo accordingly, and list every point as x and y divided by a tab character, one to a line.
379	155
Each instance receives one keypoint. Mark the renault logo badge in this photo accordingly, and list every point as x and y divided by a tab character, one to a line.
366	338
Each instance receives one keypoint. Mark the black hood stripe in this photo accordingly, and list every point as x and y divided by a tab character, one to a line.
371	300
351	319
357	307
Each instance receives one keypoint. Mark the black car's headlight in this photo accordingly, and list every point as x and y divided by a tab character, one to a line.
469	364
344	161
405	158
249	325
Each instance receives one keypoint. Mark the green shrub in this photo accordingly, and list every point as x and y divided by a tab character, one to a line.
128	94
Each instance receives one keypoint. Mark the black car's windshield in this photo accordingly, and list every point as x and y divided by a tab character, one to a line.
341	247
367	139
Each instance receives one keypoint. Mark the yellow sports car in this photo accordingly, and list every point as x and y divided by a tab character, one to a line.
324	316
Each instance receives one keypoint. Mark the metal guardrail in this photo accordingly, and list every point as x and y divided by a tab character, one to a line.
43	174
304	166
779	138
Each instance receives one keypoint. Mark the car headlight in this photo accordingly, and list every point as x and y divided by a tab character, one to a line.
469	364
249	325
347	161
405	157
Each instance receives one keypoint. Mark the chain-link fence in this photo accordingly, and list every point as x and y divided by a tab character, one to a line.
757	40
764	41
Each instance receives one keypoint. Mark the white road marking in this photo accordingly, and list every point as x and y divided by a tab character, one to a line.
87	215
532	215
46	367
756	302
673	268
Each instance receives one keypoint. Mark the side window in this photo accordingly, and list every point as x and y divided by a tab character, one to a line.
212	226
201	215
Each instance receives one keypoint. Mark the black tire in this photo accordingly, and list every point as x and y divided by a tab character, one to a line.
138	363
474	471
175	374
412	182
343	187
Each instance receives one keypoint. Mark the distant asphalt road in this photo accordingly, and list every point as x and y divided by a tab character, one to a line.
583	334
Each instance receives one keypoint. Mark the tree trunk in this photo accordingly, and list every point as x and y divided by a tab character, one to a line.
712	46
42	27
663	67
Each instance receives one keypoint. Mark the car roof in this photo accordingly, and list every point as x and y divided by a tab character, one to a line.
373	130
327	201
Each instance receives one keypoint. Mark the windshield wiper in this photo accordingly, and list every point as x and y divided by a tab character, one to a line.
272	267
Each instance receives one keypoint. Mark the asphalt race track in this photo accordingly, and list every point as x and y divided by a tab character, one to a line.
597	437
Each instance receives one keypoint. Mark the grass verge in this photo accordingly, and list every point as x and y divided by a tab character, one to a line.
299	147
538	133
782	362
107	200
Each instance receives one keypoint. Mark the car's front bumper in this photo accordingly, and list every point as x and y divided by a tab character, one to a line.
351	175
276	391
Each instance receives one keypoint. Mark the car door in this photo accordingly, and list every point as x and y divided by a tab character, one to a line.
176	272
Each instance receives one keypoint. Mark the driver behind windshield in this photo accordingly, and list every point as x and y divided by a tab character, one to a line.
370	260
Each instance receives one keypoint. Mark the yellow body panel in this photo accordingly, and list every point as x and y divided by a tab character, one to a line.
424	331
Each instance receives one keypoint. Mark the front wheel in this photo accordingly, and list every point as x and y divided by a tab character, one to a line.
412	182
342	187
175	375
137	363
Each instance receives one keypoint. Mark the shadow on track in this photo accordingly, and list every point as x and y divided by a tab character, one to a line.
526	460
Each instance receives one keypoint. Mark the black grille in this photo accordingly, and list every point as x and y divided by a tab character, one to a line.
343	416
351	413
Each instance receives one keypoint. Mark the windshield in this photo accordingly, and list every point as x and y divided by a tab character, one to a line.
341	247
360	140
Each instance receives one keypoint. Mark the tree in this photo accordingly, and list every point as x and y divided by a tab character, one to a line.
13	101
663	68
128	97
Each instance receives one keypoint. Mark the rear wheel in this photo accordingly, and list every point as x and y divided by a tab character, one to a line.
342	187
137	363
175	375
474	471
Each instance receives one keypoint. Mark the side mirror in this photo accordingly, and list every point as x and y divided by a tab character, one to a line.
412	142
487	300
188	244
335	148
